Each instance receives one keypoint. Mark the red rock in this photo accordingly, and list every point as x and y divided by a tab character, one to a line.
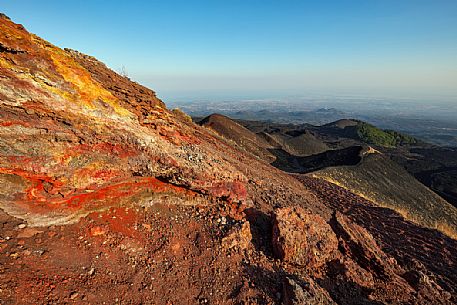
85	151
303	238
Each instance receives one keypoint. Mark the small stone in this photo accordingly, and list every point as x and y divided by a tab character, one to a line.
22	226
40	252
74	295
91	271
239	238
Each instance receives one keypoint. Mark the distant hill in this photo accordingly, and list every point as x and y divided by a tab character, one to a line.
369	134
242	136
298	140
372	135
412	177
343	123
267	143
302	144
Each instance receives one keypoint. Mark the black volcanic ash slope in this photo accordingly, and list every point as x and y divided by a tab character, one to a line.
382	181
375	176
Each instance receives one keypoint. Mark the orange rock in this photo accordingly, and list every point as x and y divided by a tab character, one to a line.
303	238
28	232
96	231
238	237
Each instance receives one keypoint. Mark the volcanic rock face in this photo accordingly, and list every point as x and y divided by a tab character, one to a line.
107	196
340	254
76	138
239	238
303	238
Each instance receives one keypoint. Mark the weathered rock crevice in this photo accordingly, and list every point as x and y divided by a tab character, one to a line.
6	49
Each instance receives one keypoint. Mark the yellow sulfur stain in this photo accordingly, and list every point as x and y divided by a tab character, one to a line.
4	63
87	90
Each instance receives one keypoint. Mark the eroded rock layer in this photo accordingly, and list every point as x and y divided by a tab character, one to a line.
108	197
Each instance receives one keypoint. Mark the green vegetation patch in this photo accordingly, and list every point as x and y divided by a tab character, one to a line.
388	138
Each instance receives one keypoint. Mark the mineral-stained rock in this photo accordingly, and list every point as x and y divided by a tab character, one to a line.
102	186
303	238
304	292
239	237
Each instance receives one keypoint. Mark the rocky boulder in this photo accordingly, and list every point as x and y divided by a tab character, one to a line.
303	238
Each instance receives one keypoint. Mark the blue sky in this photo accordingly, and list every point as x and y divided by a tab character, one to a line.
233	48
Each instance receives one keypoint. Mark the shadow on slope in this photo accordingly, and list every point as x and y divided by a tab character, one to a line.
435	167
242	136
382	181
297	164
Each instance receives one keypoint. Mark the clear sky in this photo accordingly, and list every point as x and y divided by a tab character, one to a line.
231	48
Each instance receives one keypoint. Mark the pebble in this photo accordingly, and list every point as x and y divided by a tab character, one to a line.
91	271
40	252
22	226
74	295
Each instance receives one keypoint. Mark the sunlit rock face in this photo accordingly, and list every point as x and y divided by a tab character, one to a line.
77	137
107	196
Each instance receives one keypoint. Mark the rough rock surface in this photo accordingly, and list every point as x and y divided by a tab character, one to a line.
108	197
239	237
379	244
302	292
303	238
345	259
